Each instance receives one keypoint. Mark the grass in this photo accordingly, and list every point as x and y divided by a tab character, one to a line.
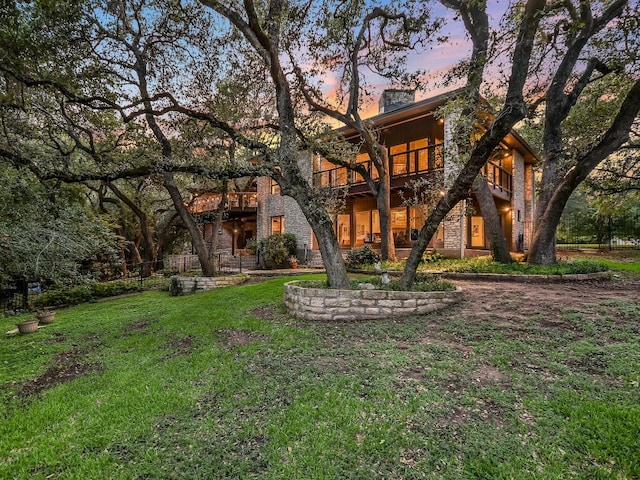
224	384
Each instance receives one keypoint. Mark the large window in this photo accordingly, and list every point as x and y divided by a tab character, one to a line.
415	156
399	224
399	157
344	230
367	227
477	232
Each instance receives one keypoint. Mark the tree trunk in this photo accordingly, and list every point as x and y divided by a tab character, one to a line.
148	243
543	245
197	239
383	203
498	245
322	227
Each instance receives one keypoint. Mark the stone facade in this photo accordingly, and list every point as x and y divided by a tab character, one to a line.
393	99
529	203
350	305
518	212
455	223
277	205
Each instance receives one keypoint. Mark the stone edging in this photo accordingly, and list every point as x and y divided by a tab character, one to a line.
510	277
349	305
201	284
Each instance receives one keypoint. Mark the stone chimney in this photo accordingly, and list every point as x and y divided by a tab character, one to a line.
393	99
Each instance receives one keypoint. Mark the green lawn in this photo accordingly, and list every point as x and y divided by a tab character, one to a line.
225	384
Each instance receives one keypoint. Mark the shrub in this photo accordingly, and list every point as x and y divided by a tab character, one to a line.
362	256
277	248
431	257
85	293
251	246
487	265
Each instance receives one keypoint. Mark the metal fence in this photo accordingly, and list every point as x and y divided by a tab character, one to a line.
602	232
224	262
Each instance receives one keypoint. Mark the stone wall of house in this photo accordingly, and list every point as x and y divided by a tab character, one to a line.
517	203
529	203
455	229
349	305
270	205
455	223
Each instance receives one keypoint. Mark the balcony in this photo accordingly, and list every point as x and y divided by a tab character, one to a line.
410	163
500	180
236	202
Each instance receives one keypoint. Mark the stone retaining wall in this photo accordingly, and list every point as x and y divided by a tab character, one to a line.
188	285
348	305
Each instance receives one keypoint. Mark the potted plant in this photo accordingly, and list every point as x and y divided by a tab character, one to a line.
45	316
28	326
293	262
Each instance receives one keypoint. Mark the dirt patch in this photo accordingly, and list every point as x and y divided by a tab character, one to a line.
180	346
66	367
484	409
464	349
325	362
233	338
488	374
514	304
264	312
138	326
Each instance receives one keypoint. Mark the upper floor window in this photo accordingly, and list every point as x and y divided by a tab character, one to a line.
416	156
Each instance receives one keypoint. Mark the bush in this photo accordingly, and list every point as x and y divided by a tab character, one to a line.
362	256
277	248
431	257
84	293
251	246
487	265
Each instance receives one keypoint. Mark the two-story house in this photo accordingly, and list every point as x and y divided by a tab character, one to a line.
420	146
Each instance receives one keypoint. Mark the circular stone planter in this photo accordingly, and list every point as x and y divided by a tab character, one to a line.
46	317
332	305
28	326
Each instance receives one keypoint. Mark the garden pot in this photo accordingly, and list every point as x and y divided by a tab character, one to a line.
45	317
28	326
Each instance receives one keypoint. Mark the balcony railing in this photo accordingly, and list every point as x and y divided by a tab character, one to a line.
498	178
235	201
411	162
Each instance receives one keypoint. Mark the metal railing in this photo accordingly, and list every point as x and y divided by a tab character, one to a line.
236	200
498	178
409	163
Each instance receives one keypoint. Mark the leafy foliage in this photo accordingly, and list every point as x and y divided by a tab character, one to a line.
277	248
486	265
49	231
85	293
362	256
432	257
